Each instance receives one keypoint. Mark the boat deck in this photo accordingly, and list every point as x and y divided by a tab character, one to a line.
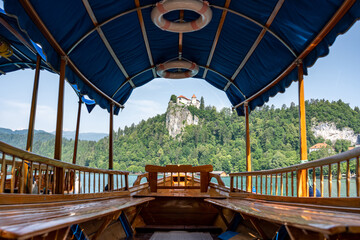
36	219
327	222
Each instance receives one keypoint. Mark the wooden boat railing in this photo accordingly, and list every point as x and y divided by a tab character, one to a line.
170	172
283	181
21	169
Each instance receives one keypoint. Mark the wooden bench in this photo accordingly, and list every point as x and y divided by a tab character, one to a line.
319	220
31	220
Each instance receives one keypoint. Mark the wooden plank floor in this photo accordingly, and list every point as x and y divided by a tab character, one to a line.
177	235
32	221
318	220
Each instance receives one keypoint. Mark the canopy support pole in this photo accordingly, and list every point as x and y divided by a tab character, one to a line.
248	150
30	136
302	174
111	146
77	131
59	128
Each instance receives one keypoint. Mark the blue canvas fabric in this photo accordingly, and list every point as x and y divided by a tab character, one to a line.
22	57
297	23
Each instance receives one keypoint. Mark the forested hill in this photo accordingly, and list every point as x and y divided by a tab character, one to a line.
217	140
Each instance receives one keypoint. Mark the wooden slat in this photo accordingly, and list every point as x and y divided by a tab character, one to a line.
347	178
338	180
126	182
237	183
3	173
40	178
292	183
271	185
314	183
321	181
121	180
12	181
330	180
231	183
286	184
30	179
89	182
358	176
47	179
104	184
281	185
84	183
54	179
261	184
256	184
99	177
266	184
276	185
22	176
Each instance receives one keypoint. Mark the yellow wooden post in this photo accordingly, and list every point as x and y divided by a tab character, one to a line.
30	136
302	176
77	131
111	145
248	150
59	128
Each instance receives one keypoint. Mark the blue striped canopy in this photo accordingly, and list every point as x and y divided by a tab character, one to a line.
24	56
256	43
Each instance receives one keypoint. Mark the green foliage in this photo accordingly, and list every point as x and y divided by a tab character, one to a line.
202	103
218	139
342	145
173	98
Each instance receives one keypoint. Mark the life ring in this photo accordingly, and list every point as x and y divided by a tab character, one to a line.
198	6
5	49
192	69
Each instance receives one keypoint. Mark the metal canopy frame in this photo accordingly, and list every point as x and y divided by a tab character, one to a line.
265	29
347	4
45	31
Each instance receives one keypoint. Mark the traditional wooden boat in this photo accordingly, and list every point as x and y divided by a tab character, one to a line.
250	49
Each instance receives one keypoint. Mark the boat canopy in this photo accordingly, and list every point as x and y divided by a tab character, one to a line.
249	49
23	50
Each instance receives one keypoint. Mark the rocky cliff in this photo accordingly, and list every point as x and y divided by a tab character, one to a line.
329	131
177	117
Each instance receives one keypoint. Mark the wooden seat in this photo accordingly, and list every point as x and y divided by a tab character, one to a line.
327	222
26	222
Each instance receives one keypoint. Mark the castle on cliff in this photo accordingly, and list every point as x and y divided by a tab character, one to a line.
182	100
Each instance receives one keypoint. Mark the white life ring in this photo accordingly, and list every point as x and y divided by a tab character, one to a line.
192	69
165	6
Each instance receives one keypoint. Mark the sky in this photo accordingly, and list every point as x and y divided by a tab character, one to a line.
336	76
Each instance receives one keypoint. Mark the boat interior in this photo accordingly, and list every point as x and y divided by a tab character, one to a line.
251	50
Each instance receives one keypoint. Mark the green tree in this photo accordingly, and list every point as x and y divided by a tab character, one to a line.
173	98
342	145
202	103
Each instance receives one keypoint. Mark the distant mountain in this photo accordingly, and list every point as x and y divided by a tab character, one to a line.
18	138
84	136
